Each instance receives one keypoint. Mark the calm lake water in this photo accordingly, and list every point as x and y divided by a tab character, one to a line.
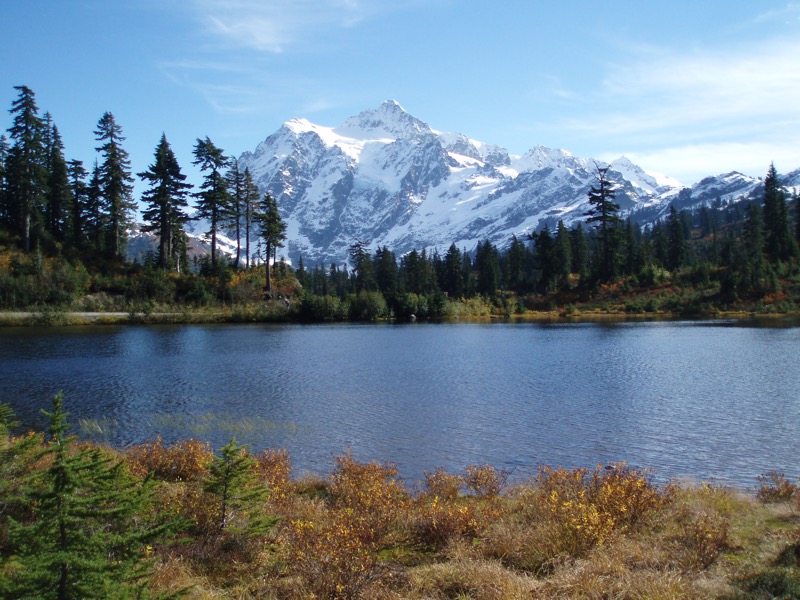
711	401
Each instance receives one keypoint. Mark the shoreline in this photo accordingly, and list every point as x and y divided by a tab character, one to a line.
51	317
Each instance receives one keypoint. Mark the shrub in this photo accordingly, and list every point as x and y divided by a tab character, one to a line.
443	484
484	481
585	506
274	468
371	492
705	535
187	460
331	555
775	488
437	521
321	308
367	306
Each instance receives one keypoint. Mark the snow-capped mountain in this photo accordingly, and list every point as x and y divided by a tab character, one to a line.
388	178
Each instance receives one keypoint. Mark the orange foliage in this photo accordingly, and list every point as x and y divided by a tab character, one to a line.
187	460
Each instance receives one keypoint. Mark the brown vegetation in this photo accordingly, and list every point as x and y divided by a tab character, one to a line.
610	532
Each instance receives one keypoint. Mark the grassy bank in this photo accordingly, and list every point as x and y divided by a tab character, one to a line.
605	532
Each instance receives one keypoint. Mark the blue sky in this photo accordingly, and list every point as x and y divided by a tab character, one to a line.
686	88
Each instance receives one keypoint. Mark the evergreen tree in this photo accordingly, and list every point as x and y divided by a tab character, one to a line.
515	263
236	188
563	256
166	203
778	238
95	216
5	216
545	259
362	266
250	199
234	481
487	265
580	251
78	202
85	539
677	247
467	274
386	272
603	214
213	201
453	279
26	174
115	183
660	245
59	194
273	234
412	269
634	253
753	264
797	218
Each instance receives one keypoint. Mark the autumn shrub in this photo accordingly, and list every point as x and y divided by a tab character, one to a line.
186	500
484	481
775	488
705	535
442	484
441	515
331	542
186	460
372	492
436	521
333	556
585	507
274	468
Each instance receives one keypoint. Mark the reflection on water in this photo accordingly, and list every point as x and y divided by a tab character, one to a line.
704	400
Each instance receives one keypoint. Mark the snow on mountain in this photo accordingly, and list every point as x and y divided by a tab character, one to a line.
387	178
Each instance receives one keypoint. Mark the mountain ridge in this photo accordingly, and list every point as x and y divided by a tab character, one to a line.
387	178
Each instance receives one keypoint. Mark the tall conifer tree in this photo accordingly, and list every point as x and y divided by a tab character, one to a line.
778	236
453	282
213	199
677	247
115	182
273	234
250	197
78	203
235	179
563	256
25	167
59	195
603	215
5	214
166	203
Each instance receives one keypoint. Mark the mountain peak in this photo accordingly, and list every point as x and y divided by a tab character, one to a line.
389	120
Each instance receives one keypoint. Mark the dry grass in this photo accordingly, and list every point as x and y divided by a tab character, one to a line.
604	533
360	533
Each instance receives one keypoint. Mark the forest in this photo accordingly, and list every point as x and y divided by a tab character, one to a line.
64	228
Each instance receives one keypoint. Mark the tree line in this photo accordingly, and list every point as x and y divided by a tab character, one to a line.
57	207
743	247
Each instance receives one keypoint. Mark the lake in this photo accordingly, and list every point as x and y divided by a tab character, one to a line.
713	401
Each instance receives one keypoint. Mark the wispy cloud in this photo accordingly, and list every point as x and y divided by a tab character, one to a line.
275	25
733	87
786	14
683	109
